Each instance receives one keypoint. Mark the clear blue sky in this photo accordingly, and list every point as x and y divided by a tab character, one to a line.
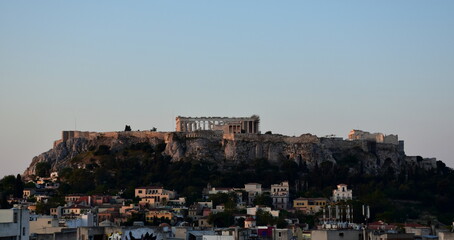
321	67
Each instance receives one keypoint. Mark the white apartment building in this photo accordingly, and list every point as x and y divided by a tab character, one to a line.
342	193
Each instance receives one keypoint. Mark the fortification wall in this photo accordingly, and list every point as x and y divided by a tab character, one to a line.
204	134
66	135
276	138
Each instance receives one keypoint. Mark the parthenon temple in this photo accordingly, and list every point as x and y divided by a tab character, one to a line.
225	124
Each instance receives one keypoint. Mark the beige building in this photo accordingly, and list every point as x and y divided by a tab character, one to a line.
75	210
44	224
250	223
445	235
309	205
336	234
28	192
224	124
154	195
158	213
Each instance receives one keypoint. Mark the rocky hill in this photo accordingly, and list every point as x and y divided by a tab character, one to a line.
227	149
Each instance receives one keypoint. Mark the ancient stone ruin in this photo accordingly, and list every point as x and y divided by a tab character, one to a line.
224	124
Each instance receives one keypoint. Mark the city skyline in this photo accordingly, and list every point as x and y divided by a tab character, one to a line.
320	68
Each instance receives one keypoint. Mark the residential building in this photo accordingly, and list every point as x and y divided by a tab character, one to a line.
203	222
75	210
336	234
282	234
73	198
382	226
108	215
253	210
342	193
445	235
215	190
155	195
28	192
44	224
417	229
250	223
253	189
391	235
280	193
158	213
309	205
14	224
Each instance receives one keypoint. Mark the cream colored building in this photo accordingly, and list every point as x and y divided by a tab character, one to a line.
28	192
44	224
252	211
154	195
76	210
342	193
158	213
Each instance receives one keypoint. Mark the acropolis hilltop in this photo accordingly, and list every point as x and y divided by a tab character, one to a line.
229	140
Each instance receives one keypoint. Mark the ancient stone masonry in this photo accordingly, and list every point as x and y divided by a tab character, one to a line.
225	124
377	137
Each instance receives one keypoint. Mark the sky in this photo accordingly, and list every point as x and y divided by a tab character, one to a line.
320	67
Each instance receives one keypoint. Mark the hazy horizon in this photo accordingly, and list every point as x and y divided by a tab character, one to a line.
303	67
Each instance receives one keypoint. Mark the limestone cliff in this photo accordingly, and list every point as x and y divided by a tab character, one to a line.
231	148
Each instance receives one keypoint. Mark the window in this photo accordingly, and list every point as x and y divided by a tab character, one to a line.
23	231
15	217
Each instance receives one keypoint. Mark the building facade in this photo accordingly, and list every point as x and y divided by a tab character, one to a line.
14	224
309	205
342	193
280	193
154	194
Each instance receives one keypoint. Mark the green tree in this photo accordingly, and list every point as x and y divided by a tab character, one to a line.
7	184
221	219
42	169
18	187
263	199
228	199
264	218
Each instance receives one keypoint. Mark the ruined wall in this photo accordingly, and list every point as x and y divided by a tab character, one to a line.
377	137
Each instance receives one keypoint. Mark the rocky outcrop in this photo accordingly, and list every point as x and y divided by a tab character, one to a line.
233	148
